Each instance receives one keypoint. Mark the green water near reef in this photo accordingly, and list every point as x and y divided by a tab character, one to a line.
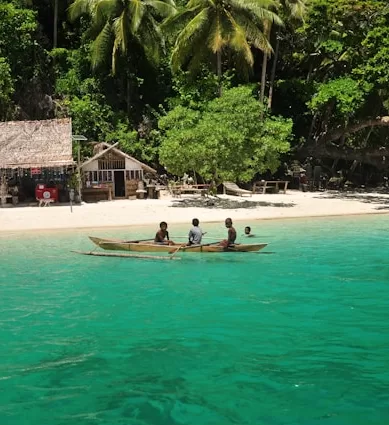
296	337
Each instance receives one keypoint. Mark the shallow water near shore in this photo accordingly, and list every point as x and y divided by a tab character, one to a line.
297	336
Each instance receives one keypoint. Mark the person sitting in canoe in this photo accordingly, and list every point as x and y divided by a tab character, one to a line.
162	236
195	233
231	236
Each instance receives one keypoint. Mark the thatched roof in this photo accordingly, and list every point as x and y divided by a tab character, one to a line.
30	144
106	147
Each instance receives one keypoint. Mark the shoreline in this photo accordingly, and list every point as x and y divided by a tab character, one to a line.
142	213
186	222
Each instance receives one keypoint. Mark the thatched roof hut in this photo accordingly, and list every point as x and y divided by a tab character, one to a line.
30	144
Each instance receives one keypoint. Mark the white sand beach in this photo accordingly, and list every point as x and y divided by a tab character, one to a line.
119	213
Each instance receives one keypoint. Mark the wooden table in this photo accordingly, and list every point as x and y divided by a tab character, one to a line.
201	189
263	185
95	194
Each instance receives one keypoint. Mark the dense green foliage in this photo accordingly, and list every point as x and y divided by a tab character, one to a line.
125	73
225	140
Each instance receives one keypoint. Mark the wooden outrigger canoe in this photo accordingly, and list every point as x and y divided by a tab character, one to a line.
150	246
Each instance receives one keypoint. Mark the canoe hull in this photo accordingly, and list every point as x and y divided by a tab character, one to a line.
117	245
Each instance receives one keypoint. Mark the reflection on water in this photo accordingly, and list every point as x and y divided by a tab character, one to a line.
296	337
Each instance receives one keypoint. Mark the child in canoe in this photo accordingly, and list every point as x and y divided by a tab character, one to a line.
162	236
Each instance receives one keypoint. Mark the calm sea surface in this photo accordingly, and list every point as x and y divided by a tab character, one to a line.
298	336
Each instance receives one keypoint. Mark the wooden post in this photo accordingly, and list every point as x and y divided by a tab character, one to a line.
79	170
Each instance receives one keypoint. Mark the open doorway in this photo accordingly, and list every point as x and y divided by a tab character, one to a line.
120	190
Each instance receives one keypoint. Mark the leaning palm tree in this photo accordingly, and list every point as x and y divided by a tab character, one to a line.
293	9
116	22
217	26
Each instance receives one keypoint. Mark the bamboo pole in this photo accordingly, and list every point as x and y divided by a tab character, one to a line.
111	254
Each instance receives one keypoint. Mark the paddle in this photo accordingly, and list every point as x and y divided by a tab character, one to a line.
139	240
184	248
175	251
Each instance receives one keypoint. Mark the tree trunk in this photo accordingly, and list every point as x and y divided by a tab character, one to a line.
128	95
323	148
263	77
55	26
352	128
219	71
273	73
374	156
267	31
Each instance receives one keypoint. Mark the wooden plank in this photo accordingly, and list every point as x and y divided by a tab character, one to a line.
112	254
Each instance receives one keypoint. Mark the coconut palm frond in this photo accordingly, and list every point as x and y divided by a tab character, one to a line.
121	28
180	19
102	46
163	8
136	10
194	26
255	35
150	38
187	41
297	8
80	8
238	41
261	9
216	41
103	11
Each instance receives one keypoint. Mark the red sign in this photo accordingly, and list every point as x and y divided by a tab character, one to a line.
35	171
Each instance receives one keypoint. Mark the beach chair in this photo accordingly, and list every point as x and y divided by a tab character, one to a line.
231	188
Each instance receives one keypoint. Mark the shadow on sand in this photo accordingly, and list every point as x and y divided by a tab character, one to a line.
218	203
377	198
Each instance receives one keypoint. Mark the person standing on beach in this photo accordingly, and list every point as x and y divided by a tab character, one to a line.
162	236
231	235
195	233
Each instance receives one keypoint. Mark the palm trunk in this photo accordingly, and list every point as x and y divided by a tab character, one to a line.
273	74
219	71
55	30
267	31
128	95
263	77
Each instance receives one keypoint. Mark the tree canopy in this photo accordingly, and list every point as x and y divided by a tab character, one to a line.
148	73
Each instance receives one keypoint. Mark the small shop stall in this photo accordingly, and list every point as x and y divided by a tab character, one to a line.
112	174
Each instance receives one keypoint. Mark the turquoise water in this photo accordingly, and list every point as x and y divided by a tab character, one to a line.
298	336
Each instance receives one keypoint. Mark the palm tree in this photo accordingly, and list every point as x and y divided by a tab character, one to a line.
294	9
116	22
215	26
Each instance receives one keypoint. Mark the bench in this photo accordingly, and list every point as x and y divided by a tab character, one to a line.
45	202
201	189
271	185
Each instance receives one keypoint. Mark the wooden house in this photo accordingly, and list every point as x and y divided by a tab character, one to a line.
111	173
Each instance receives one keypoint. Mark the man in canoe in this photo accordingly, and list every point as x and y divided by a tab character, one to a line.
195	233
231	235
162	236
